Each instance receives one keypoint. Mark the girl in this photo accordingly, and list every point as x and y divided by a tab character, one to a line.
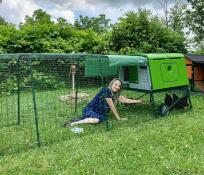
96	110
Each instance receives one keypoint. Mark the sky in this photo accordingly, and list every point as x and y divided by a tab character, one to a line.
14	11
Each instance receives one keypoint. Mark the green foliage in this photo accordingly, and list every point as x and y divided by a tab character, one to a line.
135	32
39	16
196	19
177	17
44	75
7	34
143	32
97	24
3	21
200	49
40	34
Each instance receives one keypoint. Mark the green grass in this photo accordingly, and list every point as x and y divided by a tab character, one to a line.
142	145
51	114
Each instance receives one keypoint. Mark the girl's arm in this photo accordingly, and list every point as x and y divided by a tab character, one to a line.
123	99
112	106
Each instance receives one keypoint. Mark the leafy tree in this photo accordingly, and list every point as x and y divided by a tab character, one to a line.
177	16
196	18
165	5
3	21
98	24
135	32
200	48
8	32
39	16
142	32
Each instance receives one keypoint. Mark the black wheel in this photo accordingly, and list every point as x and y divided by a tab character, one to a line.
164	110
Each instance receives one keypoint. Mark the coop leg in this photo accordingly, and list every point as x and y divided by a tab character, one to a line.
152	101
150	98
189	97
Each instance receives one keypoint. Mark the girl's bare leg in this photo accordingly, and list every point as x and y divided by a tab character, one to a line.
86	121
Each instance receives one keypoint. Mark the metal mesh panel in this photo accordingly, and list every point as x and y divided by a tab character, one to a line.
39	93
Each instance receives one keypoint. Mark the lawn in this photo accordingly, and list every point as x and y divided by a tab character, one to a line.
144	144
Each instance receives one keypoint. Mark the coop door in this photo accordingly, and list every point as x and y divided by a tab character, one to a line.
125	74
169	72
133	74
130	74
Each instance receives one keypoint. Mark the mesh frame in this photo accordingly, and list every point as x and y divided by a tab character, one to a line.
34	104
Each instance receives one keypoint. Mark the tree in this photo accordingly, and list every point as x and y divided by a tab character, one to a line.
62	21
164	4
142	32
200	48
98	24
7	34
39	16
3	21
177	16
196	19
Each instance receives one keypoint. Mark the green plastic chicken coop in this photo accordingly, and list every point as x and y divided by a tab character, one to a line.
148	73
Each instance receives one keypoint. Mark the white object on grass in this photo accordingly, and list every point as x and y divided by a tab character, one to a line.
77	130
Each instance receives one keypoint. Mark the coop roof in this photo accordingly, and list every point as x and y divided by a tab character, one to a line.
123	60
98	66
195	58
115	60
163	55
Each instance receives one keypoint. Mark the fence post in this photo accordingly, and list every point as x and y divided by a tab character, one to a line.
34	103
18	83
77	85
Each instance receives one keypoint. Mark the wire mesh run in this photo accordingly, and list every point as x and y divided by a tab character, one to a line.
39	92
37	95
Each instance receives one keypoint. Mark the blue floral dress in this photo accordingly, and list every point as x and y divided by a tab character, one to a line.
98	107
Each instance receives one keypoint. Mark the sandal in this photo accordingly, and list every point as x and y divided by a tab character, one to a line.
75	120
67	123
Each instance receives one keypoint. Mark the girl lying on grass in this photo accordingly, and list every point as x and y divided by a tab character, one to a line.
95	112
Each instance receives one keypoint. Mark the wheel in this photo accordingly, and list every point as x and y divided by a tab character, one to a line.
164	110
